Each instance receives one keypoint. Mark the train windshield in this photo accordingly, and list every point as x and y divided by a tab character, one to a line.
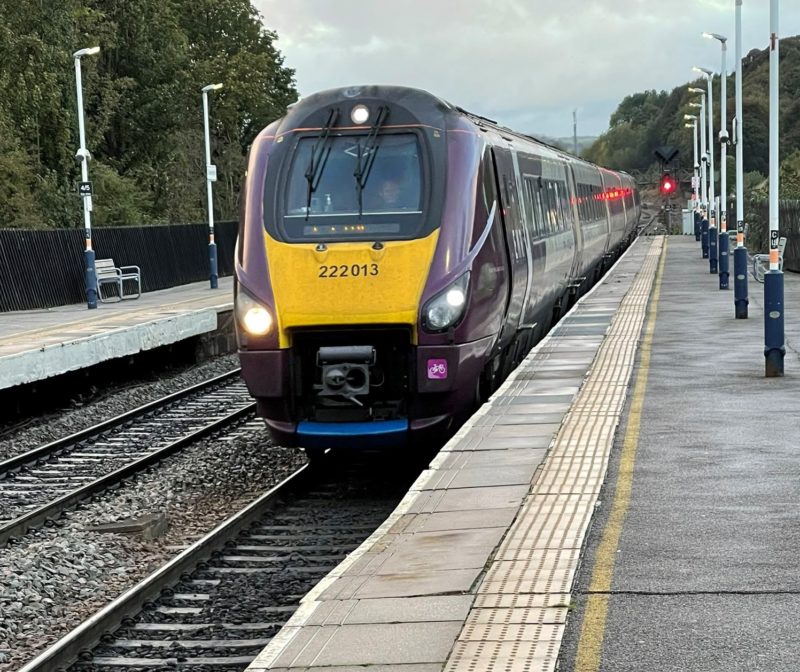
354	187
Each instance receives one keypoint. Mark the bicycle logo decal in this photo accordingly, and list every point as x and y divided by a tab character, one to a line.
437	369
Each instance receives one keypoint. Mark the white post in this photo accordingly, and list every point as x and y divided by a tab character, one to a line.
738	132
83	154
209	190
211	176
774	160
723	128
740	299
704	155
695	164
710	107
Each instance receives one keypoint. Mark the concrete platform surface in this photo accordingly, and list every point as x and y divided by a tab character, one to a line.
473	570
39	344
694	561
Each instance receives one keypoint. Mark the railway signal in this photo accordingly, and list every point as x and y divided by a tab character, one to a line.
667	185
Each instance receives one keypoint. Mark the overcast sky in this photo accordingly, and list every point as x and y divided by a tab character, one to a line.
525	63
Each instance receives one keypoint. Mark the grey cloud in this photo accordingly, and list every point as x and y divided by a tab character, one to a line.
525	63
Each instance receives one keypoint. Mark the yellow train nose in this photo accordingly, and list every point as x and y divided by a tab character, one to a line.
348	283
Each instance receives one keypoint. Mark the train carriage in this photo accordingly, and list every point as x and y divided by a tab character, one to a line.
398	256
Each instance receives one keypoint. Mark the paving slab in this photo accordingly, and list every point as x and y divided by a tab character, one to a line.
400	643
706	573
482	526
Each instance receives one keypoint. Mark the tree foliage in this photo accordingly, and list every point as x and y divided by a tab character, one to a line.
143	106
645	120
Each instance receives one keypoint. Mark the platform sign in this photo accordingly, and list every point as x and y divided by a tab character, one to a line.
85	189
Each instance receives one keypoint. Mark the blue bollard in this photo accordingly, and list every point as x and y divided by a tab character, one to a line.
212	260
90	279
724	243
774	347
740	299
697	219
704	237
712	248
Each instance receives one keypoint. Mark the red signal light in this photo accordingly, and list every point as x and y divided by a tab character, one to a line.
667	185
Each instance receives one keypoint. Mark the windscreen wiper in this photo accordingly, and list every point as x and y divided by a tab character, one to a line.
318	160
361	173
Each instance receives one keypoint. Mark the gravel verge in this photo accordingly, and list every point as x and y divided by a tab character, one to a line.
56	577
81	416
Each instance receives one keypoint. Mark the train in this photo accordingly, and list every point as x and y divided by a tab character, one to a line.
398	256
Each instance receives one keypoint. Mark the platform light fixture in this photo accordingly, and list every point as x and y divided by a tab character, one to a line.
774	337
703	170
712	201
723	157
740	298
211	177
696	167
85	187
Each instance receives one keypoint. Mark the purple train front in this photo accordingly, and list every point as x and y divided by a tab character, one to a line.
398	257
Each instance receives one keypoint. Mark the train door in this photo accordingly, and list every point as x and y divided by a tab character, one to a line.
530	181
516	244
577	260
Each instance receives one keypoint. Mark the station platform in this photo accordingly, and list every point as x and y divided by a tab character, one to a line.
626	501
39	344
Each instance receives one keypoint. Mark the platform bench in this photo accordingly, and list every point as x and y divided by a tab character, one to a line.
761	261
108	273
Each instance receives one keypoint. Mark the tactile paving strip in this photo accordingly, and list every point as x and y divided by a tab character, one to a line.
515	622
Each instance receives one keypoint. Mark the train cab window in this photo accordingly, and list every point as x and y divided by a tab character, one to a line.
349	189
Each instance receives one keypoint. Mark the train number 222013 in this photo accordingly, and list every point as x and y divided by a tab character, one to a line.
348	270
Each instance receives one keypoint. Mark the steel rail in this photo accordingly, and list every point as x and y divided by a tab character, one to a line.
87	635
54	508
32	456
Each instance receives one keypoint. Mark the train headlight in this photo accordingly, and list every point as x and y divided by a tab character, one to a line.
359	114
255	318
446	309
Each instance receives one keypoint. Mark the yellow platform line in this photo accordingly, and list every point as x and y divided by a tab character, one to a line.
590	644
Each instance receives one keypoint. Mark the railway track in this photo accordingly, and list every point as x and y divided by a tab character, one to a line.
38	486
219	602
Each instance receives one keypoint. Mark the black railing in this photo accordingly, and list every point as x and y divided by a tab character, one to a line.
44	268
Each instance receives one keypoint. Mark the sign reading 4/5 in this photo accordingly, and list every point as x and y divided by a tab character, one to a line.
85	188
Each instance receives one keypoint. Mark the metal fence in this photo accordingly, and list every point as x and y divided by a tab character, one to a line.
44	268
756	214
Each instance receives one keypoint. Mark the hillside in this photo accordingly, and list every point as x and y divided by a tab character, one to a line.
144	114
648	119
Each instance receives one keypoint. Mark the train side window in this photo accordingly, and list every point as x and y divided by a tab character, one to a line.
583	212
563	205
485	198
550	208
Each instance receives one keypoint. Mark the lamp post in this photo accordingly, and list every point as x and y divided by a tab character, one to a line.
723	157
712	202
703	170
740	299
695	164
85	188
211	177
774	348
695	181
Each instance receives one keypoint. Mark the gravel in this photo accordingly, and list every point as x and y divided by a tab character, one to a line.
83	416
56	577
